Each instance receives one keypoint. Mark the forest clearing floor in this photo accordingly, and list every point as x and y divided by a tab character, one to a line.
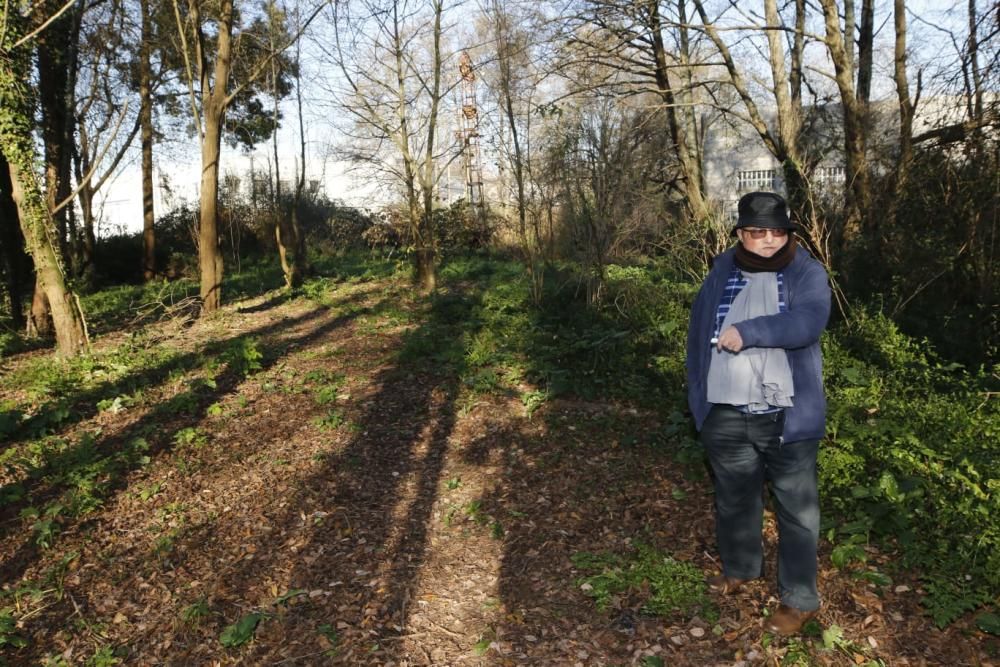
338	490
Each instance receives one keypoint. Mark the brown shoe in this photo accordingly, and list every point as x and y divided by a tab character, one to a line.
724	585
787	620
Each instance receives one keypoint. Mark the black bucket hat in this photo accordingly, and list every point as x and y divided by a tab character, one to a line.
765	210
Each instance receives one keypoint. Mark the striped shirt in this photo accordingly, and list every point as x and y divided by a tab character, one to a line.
734	285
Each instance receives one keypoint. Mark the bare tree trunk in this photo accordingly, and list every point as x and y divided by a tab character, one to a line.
906	105
300	183
906	108
209	252
858	176
38	229
146	121
283	236
906	112
798	46
214	103
287	268
69	128
276	202
40	323
690	164
977	79
788	102
690	111
423	262
427	272
421	222
789	119
37	224
86	198
285	231
56	84
530	246
785	146
866	47
849	26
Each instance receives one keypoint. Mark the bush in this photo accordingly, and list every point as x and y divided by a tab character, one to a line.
912	453
118	258
382	236
343	229
462	227
913	457
936	270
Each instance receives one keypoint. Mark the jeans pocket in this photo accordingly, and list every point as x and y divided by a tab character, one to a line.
713	414
776	429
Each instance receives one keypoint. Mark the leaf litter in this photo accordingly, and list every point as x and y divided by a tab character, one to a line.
417	528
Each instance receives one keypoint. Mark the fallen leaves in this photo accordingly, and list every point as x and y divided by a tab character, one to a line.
375	578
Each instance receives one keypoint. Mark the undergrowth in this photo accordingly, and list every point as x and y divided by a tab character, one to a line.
910	460
663	585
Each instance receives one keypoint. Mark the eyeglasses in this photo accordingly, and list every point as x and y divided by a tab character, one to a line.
756	233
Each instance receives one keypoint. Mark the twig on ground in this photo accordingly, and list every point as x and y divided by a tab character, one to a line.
296	658
446	630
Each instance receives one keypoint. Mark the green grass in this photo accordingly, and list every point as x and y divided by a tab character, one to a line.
667	587
911	459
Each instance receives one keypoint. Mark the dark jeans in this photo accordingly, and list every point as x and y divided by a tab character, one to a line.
745	450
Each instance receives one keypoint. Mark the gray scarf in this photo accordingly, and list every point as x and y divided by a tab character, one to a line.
756	377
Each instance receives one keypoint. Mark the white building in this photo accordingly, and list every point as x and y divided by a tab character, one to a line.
736	161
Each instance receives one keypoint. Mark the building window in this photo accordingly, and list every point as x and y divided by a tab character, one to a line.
753	180
829	175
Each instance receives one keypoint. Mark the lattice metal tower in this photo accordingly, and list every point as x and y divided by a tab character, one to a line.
470	135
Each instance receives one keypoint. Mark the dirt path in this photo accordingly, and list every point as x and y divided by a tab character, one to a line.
354	504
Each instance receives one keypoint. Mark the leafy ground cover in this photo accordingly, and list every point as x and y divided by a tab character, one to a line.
351	474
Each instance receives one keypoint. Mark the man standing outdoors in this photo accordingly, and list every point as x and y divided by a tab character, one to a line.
755	388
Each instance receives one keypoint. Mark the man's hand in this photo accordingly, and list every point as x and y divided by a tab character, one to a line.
730	339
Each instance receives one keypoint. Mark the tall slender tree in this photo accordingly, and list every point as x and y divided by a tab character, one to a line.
36	221
286	229
391	55
146	137
839	43
58	63
213	95
649	45
511	44
300	181
212	57
785	144
907	110
102	136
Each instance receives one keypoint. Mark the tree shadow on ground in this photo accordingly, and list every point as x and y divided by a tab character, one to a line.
607	475
584	477
368	500
72	404
380	489
103	465
272	302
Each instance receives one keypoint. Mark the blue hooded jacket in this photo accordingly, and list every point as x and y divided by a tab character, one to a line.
797	331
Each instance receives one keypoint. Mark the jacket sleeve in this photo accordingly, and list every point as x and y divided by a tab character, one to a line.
702	311
802	323
695	335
